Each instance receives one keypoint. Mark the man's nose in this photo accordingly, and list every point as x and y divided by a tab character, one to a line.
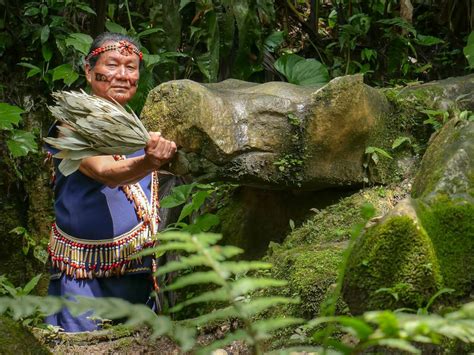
121	72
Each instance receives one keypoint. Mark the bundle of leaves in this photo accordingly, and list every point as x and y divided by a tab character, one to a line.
91	126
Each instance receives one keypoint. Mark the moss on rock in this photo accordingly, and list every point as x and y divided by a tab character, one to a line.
450	225
310	256
396	256
310	272
16	339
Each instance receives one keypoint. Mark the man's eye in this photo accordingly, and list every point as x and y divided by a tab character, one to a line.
111	65
131	67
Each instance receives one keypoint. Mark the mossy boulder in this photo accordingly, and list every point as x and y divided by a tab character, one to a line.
425	243
16	339
393	264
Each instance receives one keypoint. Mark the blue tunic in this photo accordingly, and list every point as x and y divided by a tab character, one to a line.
94	214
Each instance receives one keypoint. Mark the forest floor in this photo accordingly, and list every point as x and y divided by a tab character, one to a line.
123	340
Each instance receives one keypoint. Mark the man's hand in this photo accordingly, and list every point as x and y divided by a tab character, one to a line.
158	150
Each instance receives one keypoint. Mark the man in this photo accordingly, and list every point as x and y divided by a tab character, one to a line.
108	209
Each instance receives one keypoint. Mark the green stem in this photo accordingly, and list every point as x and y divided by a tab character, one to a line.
129	16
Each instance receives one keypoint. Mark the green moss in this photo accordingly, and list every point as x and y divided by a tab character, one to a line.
16	339
450	225
310	272
396	255
335	222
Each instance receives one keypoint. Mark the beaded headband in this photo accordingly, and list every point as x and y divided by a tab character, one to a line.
125	48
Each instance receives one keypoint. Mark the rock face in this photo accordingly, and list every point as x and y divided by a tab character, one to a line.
427	242
275	135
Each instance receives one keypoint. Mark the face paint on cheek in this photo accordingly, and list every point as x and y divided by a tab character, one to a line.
101	77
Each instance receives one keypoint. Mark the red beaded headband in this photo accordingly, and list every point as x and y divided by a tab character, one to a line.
124	47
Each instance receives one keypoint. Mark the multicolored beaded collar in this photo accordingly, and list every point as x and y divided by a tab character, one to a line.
125	48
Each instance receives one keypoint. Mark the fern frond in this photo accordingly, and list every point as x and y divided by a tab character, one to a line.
200	277
229	338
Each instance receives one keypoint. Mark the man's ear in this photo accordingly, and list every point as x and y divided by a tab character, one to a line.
88	72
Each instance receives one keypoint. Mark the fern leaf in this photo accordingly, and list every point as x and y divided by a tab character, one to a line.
214	295
228	251
258	305
183	263
239	267
201	277
159	249
222	313
249	284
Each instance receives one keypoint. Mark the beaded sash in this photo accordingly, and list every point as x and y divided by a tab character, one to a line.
84	258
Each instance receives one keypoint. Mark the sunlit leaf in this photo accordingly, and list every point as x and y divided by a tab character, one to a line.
9	116
301	71
20	143
80	41
469	50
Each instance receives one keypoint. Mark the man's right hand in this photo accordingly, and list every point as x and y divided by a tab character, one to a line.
158	150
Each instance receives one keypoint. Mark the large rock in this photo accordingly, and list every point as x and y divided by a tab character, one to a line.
274	135
425	243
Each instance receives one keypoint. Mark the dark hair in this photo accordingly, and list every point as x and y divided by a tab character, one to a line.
106	37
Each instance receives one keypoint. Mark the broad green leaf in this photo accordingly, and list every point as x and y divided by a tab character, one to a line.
149	32
32	11
45	34
301	71
469	50
115	27
47	52
178	196
33	72
186	211
9	116
274	40
66	73
86	8
428	40
200	277
31	285
20	143
206	221
80	41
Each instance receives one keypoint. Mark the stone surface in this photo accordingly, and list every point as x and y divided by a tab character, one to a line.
275	135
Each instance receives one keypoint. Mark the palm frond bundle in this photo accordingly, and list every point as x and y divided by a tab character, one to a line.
93	126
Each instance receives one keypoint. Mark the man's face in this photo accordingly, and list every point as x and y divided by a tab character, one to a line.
115	75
